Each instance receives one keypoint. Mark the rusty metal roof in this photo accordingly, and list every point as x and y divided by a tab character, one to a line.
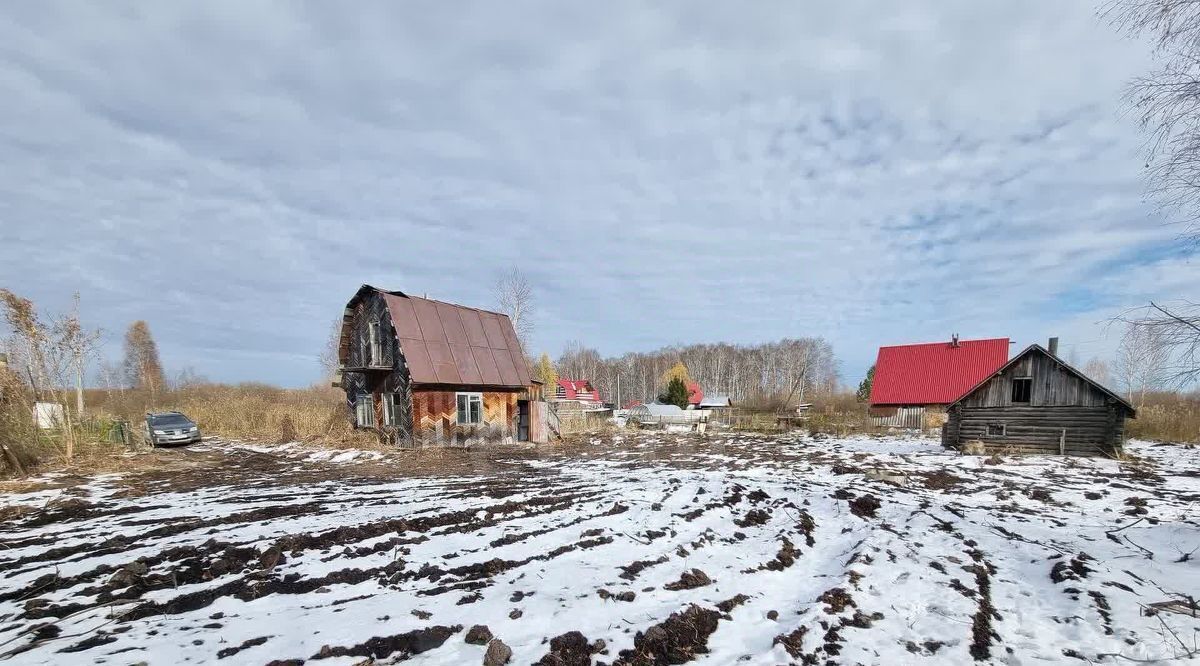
445	343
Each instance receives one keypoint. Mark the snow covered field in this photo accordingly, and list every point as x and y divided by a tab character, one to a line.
654	548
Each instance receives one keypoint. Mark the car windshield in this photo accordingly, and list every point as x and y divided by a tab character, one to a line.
170	421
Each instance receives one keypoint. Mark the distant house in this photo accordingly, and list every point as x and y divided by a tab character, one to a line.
1037	403
715	401
578	389
914	383
422	371
695	394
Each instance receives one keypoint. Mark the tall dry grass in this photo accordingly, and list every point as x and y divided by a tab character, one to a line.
1167	417
245	411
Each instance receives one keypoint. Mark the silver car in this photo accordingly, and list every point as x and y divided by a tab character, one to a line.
170	428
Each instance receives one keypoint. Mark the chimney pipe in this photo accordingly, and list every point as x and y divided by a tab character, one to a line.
954	340
1053	347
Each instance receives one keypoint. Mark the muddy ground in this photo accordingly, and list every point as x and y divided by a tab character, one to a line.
645	549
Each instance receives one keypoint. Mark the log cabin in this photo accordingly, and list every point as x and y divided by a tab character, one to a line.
1038	403
422	372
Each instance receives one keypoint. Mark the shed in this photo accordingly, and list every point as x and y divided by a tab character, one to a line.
1038	403
913	383
422	371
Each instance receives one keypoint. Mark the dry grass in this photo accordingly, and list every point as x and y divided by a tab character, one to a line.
1168	417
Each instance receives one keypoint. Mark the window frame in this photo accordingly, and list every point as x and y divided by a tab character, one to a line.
368	400
472	398
374	350
389	410
1003	429
1012	395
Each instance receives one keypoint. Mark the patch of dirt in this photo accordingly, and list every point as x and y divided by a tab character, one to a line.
837	600
631	571
1076	569
793	642
753	518
569	649
941	480
732	603
403	645
230	651
865	506
478	635
676	640
689	580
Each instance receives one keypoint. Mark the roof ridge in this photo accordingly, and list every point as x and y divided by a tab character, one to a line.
435	300
942	342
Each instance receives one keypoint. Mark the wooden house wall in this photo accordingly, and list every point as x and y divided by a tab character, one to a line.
391	375
372	308
435	419
1063	410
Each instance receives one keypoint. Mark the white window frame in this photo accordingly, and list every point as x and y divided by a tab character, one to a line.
374	349
471	399
389	410
364	406
1003	429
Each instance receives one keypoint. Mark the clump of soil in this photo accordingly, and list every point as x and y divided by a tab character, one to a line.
807	525
785	558
753	518
1093	495
631	571
1074	570
676	640
865	506
981	623
1040	494
230	651
792	642
1103	609
689	580
838	599
941	480
845	469
569	649
757	495
406	644
732	603
1137	506
478	635
619	596
497	653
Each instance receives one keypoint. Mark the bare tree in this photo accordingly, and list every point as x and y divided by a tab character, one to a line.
143	369
81	344
514	297
1097	369
1167	102
1141	362
1176	327
330	362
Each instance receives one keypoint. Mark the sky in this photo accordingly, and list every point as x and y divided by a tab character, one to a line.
663	173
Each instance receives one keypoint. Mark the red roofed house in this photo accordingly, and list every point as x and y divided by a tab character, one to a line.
420	371
578	389
695	394
913	384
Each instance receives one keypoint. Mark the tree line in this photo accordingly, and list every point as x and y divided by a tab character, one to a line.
790	370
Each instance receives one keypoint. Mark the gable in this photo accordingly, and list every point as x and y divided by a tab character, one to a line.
1053	383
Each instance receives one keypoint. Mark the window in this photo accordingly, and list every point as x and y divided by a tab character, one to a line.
364	410
470	408
1022	388
390	413
996	430
373	352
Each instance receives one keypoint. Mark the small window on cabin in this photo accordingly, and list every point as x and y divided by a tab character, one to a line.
996	430
470	408
364	410
1022	388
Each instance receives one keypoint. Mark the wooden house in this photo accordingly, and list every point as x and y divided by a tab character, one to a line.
580	390
1037	403
914	383
425	372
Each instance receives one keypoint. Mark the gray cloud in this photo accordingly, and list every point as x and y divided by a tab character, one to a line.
666	172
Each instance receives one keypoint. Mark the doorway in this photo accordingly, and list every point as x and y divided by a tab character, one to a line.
522	420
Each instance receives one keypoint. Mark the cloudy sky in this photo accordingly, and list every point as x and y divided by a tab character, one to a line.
663	172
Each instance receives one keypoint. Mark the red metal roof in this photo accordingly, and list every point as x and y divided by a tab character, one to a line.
579	389
444	343
934	373
695	393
